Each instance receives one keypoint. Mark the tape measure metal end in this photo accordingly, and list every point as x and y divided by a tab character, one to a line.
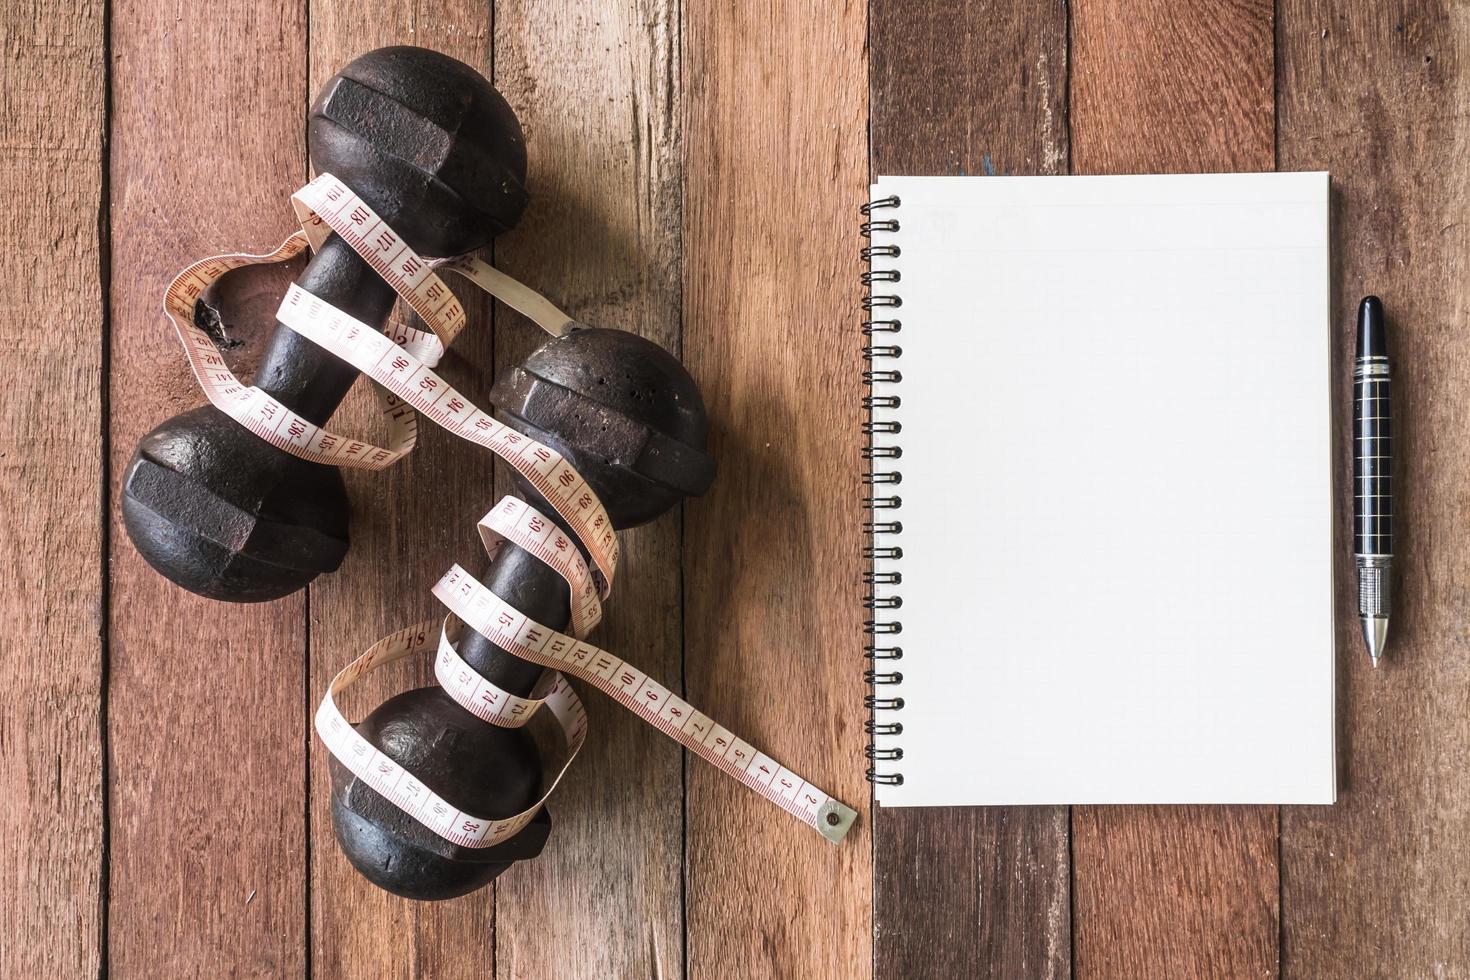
834	820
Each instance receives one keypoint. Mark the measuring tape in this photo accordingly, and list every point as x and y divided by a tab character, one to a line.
504	625
323	206
395	783
419	387
401	365
270	420
470	603
518	522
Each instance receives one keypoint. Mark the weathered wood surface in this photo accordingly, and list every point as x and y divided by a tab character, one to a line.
1172	87
205	716
695	168
410	523
1169	86
597	90
976	88
52	661
1174	892
1378	885
775	113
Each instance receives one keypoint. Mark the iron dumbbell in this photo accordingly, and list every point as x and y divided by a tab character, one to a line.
629	418
434	150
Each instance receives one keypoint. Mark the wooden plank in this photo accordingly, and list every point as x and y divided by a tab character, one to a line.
1173	86
775	136
205	719
409	525
967	89
978	87
597	92
51	476
972	892
1174	891
1376	885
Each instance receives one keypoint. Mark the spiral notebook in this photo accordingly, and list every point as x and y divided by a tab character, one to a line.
1101	538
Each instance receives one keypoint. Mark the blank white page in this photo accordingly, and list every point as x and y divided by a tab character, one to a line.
1116	496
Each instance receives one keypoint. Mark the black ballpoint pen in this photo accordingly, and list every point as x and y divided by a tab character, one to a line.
1372	475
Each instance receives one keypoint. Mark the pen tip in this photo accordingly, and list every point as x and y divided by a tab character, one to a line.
1375	635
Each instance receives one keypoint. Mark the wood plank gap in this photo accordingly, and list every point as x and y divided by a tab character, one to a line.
1071	885
308	744
493	323
1067	69
684	755
104	531
1337	720
872	799
308	706
684	758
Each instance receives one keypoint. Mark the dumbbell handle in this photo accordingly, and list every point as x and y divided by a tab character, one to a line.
312	382
535	589
298	373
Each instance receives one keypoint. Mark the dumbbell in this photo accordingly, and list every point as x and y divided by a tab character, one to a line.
427	143
629	418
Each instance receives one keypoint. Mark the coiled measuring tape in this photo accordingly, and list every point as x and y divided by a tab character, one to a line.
401	365
404	374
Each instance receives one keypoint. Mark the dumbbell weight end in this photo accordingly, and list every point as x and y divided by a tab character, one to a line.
226	515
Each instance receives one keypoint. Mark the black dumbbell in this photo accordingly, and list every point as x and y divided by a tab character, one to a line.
628	417
429	145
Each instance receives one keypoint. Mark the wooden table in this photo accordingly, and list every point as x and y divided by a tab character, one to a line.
696	170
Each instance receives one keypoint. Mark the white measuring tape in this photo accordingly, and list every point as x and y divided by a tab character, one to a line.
403	373
399	786
502	624
401	365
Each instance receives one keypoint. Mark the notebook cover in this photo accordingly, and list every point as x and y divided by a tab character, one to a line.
1116	497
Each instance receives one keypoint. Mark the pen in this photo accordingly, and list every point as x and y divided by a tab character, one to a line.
1372	475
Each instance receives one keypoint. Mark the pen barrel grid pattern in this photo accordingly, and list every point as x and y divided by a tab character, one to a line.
1372	459
882	529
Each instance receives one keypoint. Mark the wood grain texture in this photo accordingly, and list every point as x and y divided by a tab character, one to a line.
1376	886
410	523
1173	86
596	88
972	892
978	87
970	88
206	722
775	112
51	431
1174	891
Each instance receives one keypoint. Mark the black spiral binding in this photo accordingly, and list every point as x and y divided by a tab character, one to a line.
882	525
